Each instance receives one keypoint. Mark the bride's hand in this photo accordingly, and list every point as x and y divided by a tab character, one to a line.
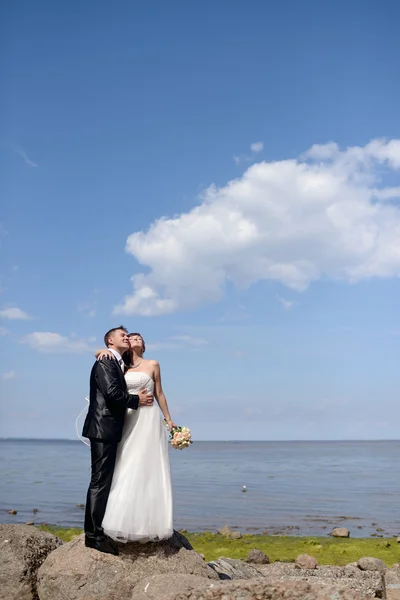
171	424
105	354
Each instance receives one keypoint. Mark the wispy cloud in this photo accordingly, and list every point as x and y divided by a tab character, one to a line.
286	304
179	342
239	314
190	341
14	314
387	193
257	146
49	342
88	308
22	153
8	375
3	230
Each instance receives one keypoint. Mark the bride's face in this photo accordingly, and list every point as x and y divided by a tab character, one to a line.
136	342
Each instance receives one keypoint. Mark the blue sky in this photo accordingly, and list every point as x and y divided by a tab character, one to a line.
240	161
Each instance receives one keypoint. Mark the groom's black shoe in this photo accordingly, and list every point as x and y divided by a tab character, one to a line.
102	545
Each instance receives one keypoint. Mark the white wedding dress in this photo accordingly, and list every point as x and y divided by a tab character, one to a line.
139	506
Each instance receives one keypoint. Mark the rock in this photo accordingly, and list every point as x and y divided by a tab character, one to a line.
30	523
352	565
229	568
340	532
262	589
369	583
35	510
225	531
236	535
305	561
12	512
257	557
392	583
80	506
398	539
369	563
380	530
75	572
23	548
155	587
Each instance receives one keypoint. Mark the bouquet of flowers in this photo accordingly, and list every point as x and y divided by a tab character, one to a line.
180	438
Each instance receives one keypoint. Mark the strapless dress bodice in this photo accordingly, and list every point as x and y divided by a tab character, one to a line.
136	381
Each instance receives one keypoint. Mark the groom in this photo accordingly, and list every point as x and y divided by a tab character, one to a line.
109	399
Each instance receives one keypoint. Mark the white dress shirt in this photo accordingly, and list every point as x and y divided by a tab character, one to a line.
119	358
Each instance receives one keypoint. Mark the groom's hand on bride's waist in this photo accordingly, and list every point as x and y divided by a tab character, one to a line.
145	398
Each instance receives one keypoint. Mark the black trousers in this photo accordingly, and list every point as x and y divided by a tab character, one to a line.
103	456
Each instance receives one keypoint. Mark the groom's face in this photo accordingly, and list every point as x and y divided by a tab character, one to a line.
120	340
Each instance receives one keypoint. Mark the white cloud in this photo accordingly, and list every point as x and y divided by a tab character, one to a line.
257	146
8	375
89	308
178	342
191	341
290	221
49	343
287	304
21	152
14	314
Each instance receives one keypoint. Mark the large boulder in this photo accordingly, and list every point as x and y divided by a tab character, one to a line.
74	572
262	589
369	563
159	586
230	568
340	532
22	550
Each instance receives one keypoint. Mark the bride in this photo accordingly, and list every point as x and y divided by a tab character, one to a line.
139	506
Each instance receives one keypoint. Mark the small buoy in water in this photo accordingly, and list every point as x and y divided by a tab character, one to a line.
244	489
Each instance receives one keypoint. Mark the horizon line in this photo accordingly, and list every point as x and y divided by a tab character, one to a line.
50	439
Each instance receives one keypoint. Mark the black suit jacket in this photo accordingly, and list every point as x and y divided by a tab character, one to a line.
109	399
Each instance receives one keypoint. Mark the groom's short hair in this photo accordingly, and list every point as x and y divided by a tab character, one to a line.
111	331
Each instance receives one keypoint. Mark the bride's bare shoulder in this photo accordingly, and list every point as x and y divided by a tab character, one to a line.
154	365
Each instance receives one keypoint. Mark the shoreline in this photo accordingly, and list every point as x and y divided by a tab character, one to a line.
318	526
282	548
